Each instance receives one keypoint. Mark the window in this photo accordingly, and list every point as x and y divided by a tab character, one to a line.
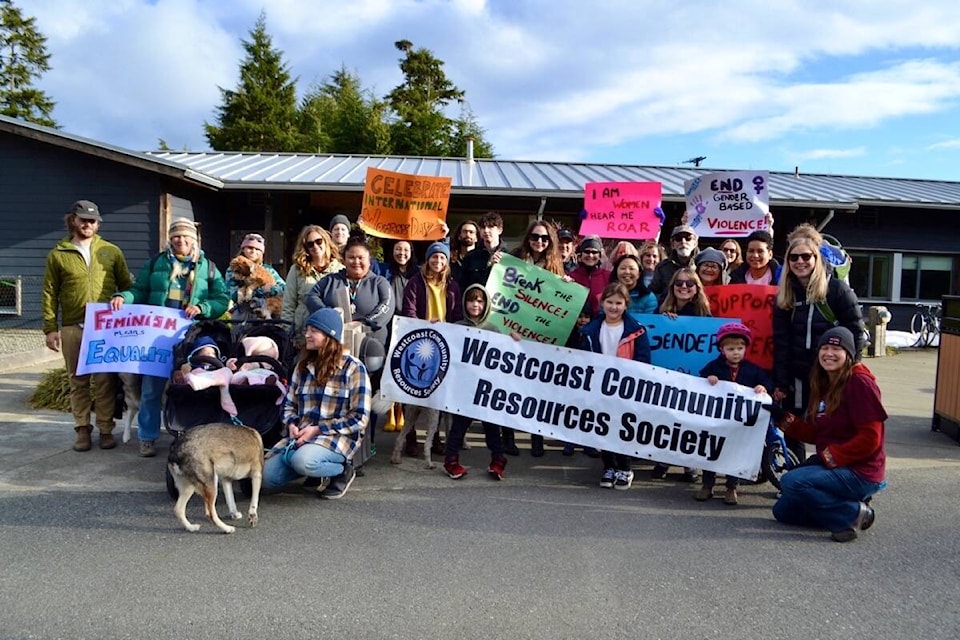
925	277
870	275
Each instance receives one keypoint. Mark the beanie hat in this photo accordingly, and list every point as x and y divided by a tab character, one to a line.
339	219
328	321
183	227
841	337
711	255
438	247
204	341
254	240
592	242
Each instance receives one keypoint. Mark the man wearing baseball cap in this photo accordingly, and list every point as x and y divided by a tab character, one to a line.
567	254
683	247
82	268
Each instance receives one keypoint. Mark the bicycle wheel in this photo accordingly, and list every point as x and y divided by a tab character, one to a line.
776	462
916	329
926	335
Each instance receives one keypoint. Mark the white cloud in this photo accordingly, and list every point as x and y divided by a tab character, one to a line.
945	144
823	154
547	79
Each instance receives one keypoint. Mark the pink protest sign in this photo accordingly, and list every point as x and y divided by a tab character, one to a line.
621	210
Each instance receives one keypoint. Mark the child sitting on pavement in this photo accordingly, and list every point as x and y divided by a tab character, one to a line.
733	340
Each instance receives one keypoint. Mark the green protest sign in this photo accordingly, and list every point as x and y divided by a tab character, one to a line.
532	301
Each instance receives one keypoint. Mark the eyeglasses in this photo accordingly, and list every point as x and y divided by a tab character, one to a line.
590	252
805	257
685	284
682	236
713	266
542	237
313	243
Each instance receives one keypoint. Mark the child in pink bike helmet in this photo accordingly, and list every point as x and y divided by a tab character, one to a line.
733	341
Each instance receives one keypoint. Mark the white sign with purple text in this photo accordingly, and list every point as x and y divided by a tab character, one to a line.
728	204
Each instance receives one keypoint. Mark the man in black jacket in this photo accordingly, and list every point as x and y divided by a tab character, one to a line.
683	245
477	263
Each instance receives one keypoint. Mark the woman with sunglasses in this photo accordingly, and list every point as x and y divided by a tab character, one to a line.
252	248
731	251
540	247
315	256
589	273
809	302
711	267
685	297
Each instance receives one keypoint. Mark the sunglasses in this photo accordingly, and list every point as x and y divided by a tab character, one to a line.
313	243
730	250
682	236
83	221
805	257
685	284
590	252
542	237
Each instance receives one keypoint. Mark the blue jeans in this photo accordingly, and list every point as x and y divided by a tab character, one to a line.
151	399
311	460
814	496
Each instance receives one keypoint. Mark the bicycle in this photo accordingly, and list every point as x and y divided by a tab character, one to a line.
777	457
925	324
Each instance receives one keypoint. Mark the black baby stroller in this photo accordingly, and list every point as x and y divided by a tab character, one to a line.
259	406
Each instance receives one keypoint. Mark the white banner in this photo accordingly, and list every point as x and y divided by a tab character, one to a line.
728	204
600	401
139	338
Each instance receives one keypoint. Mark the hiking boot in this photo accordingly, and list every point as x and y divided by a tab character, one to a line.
608	478
107	441
868	515
659	471
147	449
339	484
454	469
864	521
730	497
536	446
83	442
704	494
496	469
623	480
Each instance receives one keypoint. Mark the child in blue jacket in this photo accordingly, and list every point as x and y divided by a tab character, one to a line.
733	340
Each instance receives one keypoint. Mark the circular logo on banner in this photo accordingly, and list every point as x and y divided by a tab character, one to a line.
420	362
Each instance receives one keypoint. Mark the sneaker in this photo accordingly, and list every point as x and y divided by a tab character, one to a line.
147	449
339	484
730	497
704	494
690	475
608	478
496	469
623	480
567	450
659	471
454	469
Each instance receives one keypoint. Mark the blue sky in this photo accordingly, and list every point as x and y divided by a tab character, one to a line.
846	87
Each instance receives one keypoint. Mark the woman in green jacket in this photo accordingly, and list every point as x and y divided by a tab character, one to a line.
181	277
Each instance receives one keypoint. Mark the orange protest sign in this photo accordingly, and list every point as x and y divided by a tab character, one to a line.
403	206
753	304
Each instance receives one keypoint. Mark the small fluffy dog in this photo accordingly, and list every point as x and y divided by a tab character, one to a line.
254	276
211	452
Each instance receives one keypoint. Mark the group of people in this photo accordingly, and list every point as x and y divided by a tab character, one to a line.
822	394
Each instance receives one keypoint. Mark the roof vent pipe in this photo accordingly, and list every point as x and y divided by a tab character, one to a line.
796	172
469	150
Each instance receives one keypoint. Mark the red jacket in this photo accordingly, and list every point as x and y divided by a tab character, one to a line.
594	280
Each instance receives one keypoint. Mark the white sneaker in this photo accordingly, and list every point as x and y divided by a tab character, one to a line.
608	478
623	480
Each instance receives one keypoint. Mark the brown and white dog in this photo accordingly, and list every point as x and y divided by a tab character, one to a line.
211	452
131	398
254	276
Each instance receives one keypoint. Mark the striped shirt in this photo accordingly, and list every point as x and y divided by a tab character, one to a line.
341	408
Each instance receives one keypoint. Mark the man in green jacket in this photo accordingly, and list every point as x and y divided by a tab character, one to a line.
82	268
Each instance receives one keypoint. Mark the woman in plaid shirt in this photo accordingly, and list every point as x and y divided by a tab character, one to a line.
326	411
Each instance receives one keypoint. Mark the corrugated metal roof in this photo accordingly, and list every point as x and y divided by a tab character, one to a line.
555	179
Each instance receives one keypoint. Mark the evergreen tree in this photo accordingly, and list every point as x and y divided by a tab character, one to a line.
23	59
341	117
466	128
261	114
421	127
